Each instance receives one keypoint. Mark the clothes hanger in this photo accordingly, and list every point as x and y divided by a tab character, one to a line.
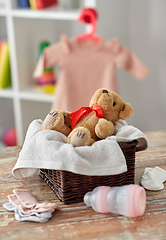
89	15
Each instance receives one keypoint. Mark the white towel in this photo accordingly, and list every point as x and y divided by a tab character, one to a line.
49	149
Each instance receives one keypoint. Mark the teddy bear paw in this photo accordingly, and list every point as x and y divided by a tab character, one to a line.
54	120
104	128
79	137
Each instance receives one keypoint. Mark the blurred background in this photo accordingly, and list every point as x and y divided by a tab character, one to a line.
140	27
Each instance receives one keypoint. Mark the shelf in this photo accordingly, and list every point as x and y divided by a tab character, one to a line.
29	94
48	13
7	93
52	13
32	95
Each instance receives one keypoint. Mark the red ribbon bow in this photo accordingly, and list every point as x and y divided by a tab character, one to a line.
76	115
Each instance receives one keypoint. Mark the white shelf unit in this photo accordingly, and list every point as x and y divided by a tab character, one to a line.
24	29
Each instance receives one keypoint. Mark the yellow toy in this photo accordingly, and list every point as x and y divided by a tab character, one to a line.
89	124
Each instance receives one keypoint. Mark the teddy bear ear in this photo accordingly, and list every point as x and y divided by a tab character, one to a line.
126	112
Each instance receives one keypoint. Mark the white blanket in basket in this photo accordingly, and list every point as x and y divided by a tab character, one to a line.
49	149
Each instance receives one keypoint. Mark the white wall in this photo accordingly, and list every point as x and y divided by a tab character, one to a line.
140	26
147	33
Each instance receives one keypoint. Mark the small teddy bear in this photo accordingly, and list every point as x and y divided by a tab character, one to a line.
89	124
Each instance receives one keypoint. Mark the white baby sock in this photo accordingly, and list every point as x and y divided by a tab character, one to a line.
153	178
34	216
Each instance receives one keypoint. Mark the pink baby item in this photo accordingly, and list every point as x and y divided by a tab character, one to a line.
128	200
87	63
87	66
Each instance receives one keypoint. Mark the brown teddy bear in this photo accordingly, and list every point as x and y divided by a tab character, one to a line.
89	124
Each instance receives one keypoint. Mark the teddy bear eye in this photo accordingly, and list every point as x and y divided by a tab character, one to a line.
114	103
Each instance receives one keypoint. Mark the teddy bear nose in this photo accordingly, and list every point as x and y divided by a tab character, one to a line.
105	91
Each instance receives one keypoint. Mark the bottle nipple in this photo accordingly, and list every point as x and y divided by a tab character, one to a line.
87	198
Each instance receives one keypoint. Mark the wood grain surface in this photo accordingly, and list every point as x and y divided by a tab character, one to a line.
77	221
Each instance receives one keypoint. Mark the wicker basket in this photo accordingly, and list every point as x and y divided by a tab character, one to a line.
71	188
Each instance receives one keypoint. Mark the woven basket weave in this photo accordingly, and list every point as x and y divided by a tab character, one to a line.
71	188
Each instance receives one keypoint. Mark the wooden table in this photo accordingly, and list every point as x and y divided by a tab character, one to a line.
78	221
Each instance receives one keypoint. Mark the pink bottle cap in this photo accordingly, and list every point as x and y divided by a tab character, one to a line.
136	201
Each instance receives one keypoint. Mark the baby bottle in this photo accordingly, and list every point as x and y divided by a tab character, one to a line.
128	200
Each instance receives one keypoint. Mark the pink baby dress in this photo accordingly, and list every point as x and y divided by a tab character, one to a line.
87	66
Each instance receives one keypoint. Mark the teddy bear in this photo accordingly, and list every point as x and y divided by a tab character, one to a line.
89	124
